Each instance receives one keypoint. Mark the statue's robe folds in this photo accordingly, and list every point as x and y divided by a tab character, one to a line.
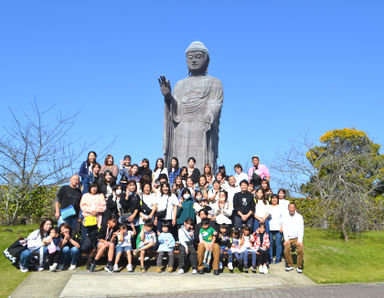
193	100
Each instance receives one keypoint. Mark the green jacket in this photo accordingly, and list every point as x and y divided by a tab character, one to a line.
185	211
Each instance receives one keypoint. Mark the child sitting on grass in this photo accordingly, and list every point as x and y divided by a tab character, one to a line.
260	240
167	243
207	236
124	244
106	236
225	242
147	242
54	249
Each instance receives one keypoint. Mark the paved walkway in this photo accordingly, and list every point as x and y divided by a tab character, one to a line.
319	291
102	284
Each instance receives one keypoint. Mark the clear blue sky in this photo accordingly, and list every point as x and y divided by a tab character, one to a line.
288	68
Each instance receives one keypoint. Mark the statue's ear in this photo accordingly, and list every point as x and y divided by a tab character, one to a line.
206	64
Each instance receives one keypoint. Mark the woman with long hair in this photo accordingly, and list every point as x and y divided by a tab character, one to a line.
184	174
87	166
275	229
166	206
106	184
159	169
110	166
177	186
207	169
144	169
37	242
261	211
173	170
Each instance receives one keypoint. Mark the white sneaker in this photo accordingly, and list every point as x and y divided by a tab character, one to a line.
194	271
265	269
288	268
23	269
115	268
181	271
72	267
230	266
261	269
221	265
129	268
299	270
38	268
53	267
146	258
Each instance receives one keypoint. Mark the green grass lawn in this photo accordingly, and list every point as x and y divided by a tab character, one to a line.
10	276
329	259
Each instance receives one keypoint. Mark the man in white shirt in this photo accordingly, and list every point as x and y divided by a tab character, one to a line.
240	175
232	189
293	230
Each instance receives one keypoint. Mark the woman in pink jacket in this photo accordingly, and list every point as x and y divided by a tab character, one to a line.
92	205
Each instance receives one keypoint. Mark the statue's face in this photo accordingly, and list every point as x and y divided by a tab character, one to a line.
196	61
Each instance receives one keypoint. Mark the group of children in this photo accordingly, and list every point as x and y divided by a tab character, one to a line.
234	245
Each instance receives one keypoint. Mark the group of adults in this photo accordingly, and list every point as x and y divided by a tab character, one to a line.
134	193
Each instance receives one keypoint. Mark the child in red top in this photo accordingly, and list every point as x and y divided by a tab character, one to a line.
260	241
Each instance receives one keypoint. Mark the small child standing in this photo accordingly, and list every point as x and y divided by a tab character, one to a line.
124	244
207	236
186	247
167	243
247	245
260	240
54	249
147	241
225	242
236	248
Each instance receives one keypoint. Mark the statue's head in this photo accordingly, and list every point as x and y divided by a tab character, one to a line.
197	58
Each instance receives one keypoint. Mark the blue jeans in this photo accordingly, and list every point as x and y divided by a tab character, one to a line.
122	249
228	251
256	225
253	253
72	221
239	256
69	255
238	222
278	245
26	256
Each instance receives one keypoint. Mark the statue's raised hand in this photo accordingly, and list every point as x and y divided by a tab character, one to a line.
165	86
